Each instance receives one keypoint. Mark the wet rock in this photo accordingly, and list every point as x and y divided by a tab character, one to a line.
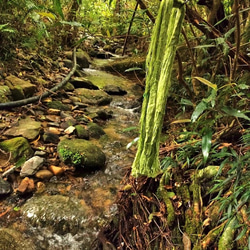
61	214
26	186
104	115
95	130
50	137
81	82
58	105
114	90
82	132
69	64
122	64
12	240
26	127
93	97
5	187
80	152
18	147
31	166
82	58
44	174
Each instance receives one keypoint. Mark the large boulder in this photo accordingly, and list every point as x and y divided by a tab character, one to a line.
60	213
80	152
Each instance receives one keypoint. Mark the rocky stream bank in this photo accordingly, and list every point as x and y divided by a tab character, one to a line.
62	159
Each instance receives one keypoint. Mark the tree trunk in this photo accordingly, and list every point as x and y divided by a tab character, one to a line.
159	66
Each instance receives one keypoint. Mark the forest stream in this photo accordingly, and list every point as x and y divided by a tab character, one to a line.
66	211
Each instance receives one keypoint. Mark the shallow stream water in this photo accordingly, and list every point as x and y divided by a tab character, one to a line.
68	211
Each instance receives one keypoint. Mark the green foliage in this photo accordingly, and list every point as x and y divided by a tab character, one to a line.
69	156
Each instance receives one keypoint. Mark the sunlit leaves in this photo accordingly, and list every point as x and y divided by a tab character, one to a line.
200	108
234	112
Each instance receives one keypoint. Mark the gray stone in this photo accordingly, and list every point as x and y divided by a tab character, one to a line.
26	127
5	187
50	137
31	166
80	152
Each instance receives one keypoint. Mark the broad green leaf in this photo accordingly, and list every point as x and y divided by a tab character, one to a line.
133	69
199	110
206	143
243	86
206	82
235	113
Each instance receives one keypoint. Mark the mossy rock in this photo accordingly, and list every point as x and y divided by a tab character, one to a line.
58	105
123	64
18	147
80	152
95	130
82	133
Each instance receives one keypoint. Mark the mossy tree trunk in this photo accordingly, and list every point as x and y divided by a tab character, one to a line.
158	80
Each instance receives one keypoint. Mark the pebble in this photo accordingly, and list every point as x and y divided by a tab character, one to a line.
44	174
56	170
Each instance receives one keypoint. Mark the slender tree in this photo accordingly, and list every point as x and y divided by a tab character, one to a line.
158	80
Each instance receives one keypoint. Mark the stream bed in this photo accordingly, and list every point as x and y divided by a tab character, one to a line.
66	212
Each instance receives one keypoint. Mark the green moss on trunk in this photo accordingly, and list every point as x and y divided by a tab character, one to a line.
159	66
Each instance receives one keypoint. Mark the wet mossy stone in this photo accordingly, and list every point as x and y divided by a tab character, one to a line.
95	131
93	97
60	213
82	132
80	152
114	90
58	105
18	147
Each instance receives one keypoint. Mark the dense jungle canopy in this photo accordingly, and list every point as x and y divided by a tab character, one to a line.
188	187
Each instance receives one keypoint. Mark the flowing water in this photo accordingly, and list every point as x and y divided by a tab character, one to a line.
68	211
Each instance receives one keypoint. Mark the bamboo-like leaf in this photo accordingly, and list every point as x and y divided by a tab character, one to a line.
206	143
47	14
242	233
133	69
181	121
199	110
235	113
206	82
